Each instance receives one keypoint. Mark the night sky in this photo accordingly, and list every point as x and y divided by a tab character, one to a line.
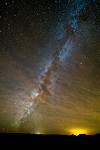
50	66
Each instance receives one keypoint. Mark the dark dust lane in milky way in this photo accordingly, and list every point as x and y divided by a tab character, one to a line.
50	66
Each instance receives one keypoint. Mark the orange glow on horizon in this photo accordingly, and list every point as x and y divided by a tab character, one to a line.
77	131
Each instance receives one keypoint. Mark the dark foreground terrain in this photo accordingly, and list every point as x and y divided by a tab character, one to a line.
14	139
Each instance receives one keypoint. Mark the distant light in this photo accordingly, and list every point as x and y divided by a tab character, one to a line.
77	131
37	132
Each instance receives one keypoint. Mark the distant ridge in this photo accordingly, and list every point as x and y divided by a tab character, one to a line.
39	140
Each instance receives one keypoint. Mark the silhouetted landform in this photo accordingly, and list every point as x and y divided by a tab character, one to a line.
40	140
25	135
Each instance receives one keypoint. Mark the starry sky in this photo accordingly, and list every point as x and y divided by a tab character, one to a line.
49	66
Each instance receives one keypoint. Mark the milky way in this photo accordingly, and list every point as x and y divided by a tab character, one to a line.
50	66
